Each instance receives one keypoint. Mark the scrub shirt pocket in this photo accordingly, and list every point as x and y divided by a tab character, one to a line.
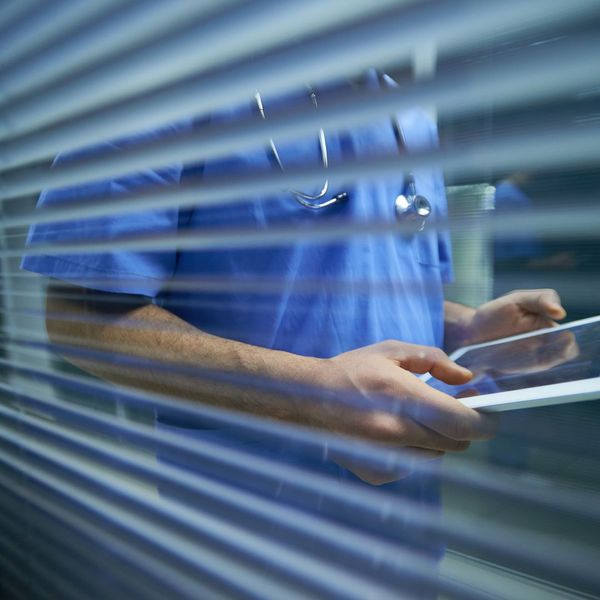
428	252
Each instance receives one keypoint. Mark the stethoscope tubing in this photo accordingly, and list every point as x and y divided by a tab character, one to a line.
307	200
406	203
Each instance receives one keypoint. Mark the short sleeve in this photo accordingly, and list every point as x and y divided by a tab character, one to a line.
118	271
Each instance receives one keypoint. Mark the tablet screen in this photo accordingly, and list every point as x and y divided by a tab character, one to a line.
558	356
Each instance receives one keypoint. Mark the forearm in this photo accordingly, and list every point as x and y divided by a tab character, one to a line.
457	319
102	340
170	350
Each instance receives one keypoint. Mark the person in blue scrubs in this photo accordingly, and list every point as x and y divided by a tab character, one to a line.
361	315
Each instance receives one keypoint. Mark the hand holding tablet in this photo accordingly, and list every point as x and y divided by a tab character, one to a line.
549	366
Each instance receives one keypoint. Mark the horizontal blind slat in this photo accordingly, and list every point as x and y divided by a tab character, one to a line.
259	467
573	566
333	543
77	555
14	13
218	548
532	149
535	74
46	24
126	24
243	32
215	540
384	41
571	563
52	501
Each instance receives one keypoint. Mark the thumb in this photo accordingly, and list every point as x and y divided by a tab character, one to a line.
542	302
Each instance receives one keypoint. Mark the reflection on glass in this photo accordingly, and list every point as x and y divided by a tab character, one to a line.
544	359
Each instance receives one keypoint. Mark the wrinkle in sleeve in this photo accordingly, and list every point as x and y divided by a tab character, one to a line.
116	271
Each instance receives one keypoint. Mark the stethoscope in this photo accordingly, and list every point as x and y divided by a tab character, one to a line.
409	207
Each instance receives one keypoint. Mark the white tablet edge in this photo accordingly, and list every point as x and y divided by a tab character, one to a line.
542	395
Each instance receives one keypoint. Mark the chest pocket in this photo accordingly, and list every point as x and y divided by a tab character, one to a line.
428	252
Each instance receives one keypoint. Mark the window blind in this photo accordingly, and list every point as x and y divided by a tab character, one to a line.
105	491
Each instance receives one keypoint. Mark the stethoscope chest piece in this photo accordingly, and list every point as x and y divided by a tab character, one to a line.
413	210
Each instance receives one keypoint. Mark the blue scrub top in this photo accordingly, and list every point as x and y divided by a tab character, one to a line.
392	284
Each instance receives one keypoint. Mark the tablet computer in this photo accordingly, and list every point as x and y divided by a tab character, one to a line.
548	366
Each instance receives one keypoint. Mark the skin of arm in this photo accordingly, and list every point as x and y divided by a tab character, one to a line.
424	420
